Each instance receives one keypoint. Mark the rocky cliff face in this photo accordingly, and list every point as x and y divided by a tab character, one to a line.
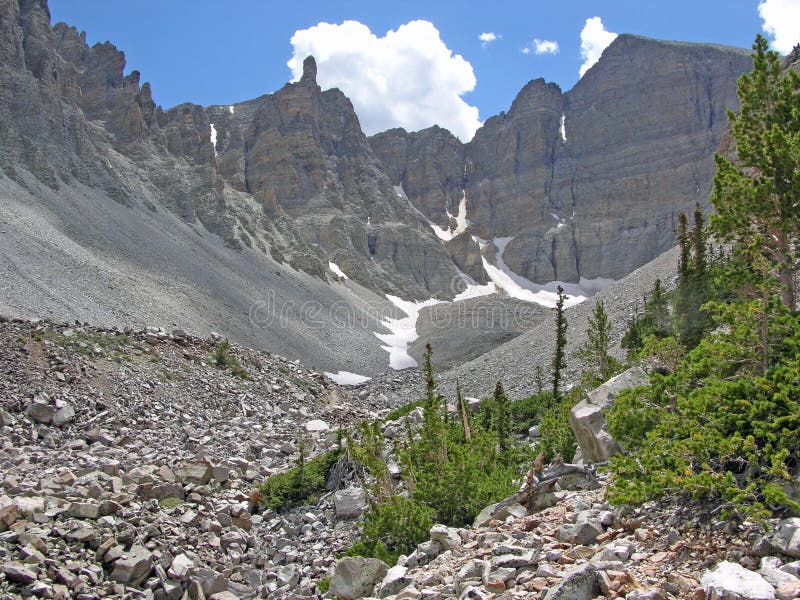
71	114
588	182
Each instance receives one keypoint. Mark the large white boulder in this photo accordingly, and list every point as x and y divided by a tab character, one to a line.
731	581
587	418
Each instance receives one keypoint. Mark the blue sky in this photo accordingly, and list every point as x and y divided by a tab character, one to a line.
209	52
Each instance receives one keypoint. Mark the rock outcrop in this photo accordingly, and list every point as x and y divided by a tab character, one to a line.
587	418
588	182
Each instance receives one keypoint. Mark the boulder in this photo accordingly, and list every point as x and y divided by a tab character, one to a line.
349	503
578	584
64	415
731	581
394	581
317	425
197	473
499	511
584	531
786	537
448	537
40	411
587	418
133	567
356	577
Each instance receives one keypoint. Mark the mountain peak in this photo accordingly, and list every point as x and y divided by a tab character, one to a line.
309	69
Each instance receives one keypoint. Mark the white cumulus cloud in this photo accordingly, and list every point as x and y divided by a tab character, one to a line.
543	46
781	22
407	78
594	39
487	38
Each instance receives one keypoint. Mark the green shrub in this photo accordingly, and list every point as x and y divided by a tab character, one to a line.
223	359
711	430
553	421
393	527
404	410
303	484
451	470
323	585
170	502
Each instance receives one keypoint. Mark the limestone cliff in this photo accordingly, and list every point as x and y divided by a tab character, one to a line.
587	182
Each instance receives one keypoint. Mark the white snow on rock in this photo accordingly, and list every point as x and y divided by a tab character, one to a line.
731	581
461	221
403	332
214	137
346	378
563	127
336	270
546	294
474	290
443	234
230	109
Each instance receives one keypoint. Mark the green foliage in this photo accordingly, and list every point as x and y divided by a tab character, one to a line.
451	468
502	424
692	291
715	427
528	411
553	421
302	484
600	365
655	321
403	411
559	355
392	528
170	502
323	585
223	359
557	438
755	194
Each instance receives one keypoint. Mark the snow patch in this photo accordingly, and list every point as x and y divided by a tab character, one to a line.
461	221
230	109
336	270
475	290
403	331
346	378
563	127
214	138
546	294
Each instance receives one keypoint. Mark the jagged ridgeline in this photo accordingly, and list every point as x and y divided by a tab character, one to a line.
588	183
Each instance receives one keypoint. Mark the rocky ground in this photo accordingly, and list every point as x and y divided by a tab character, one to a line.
128	462
572	545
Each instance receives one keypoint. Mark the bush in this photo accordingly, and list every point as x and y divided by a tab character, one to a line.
222	359
403	411
711	430
392	528
553	421
451	468
300	485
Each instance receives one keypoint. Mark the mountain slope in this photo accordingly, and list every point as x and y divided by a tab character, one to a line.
588	182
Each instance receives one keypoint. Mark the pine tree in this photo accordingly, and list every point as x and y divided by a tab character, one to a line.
756	193
693	287
462	409
433	425
595	353
503	417
656	312
559	356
